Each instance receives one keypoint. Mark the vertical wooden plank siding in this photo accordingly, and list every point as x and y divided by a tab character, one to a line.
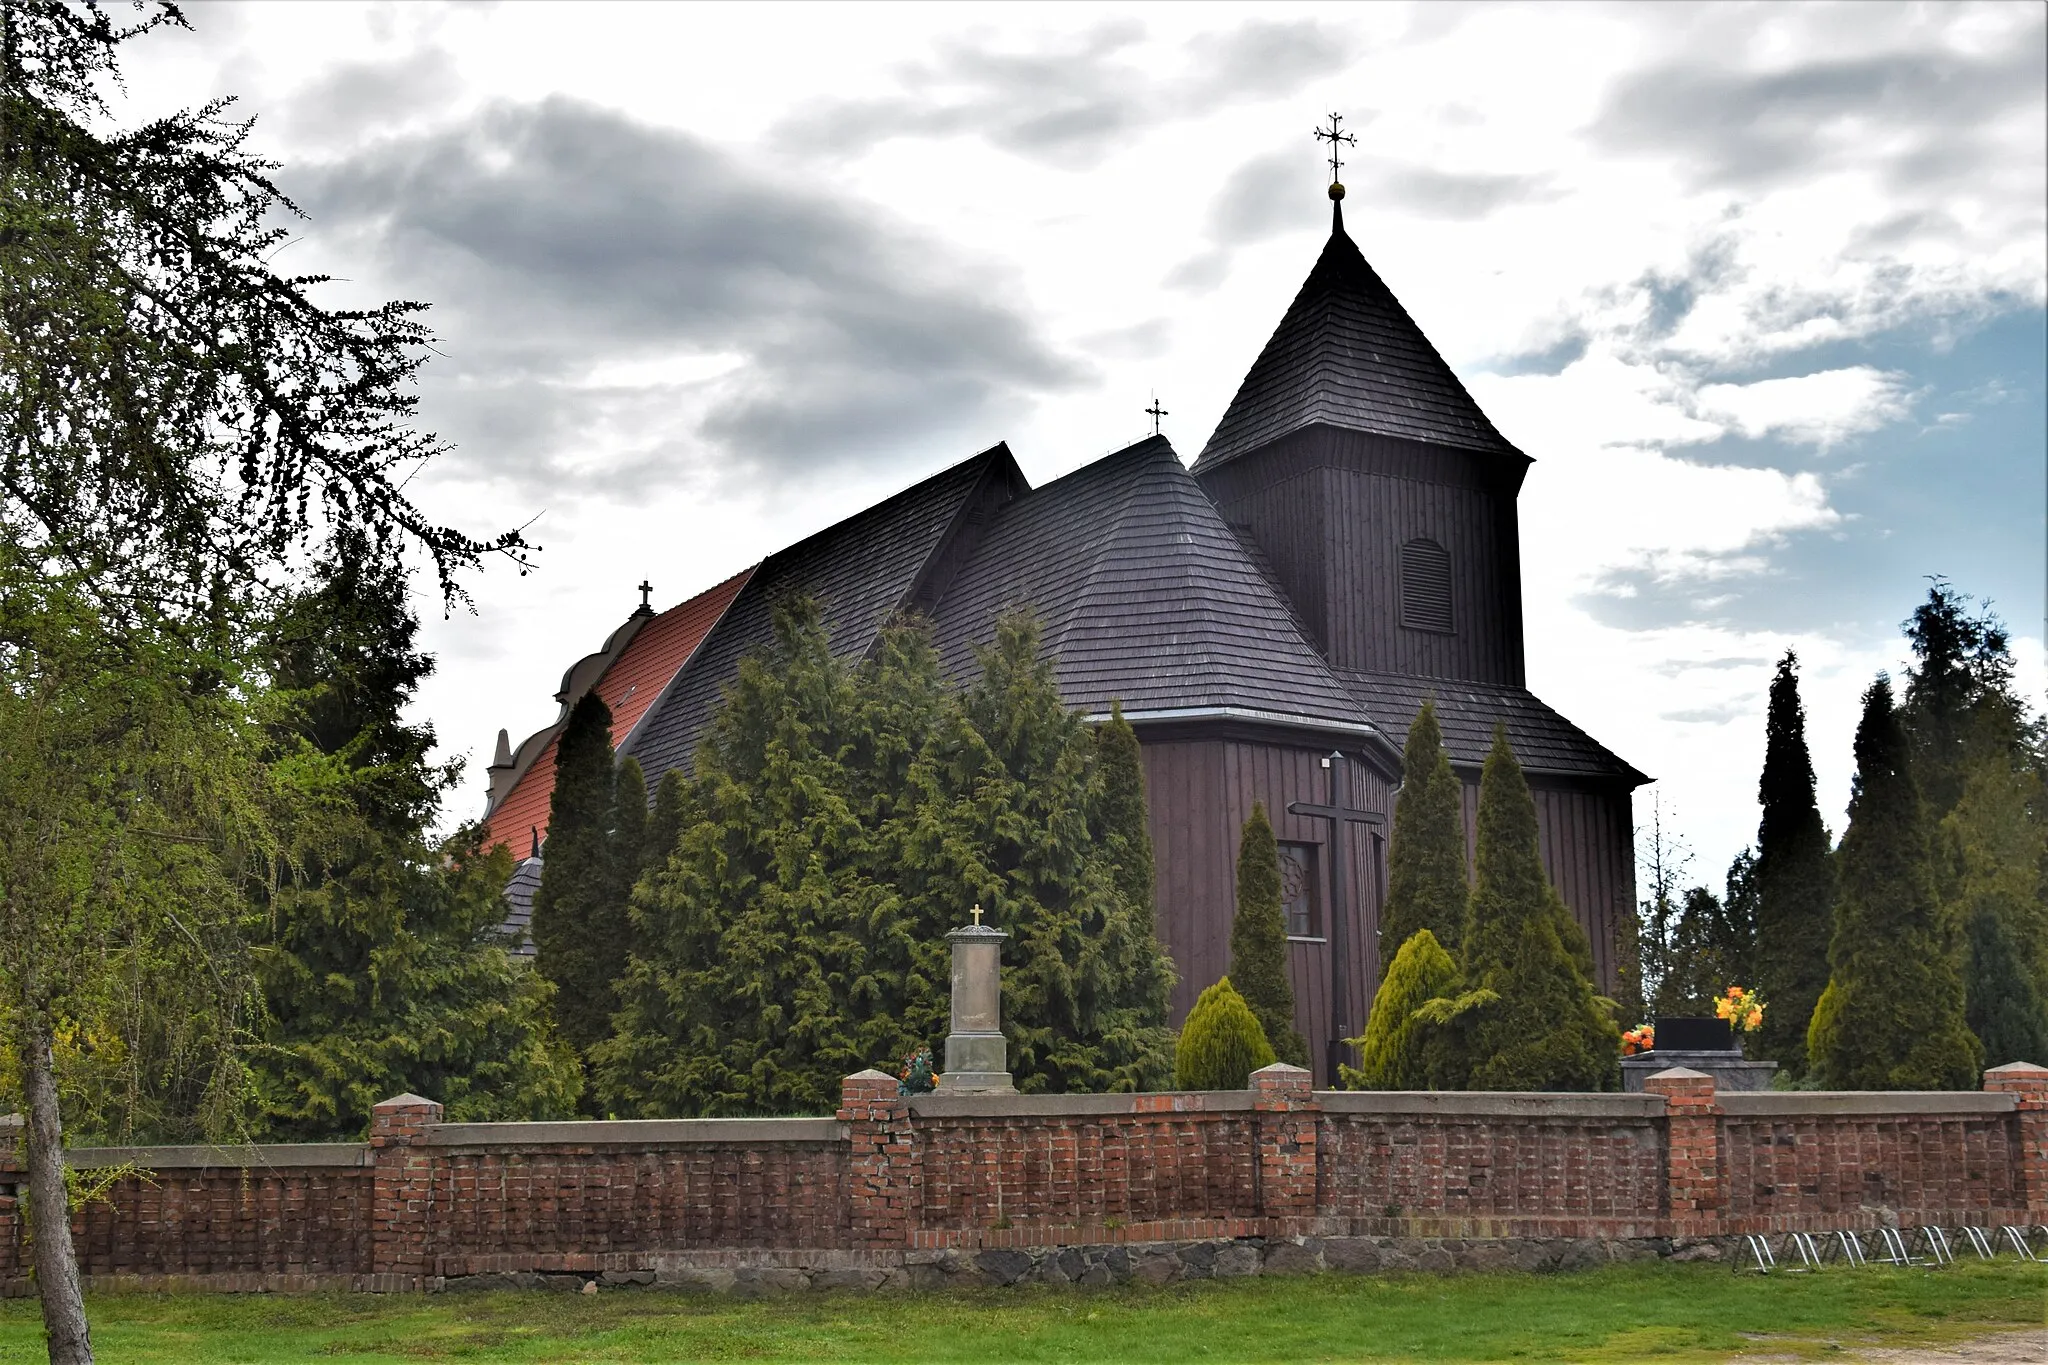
1201	794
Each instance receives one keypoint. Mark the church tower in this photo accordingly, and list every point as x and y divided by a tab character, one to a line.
1379	493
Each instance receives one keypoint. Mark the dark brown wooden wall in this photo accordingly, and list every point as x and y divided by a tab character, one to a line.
1201	792
1331	509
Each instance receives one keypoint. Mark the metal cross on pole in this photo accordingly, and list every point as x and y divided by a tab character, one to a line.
1333	136
1341	816
1155	412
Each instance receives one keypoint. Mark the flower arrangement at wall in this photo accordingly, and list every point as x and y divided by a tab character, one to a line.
1743	1009
1641	1038
916	1076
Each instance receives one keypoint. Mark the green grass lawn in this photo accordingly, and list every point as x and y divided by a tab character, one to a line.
1622	1313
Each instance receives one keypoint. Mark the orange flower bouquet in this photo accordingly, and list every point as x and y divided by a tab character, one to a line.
1641	1038
1743	1009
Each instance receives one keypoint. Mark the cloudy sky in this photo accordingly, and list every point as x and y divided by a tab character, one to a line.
1760	288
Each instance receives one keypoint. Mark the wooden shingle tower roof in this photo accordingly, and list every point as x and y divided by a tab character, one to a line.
1347	354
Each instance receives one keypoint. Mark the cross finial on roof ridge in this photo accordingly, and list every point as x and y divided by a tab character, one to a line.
1338	139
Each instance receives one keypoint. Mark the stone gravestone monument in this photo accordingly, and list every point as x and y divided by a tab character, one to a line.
1705	1045
977	1058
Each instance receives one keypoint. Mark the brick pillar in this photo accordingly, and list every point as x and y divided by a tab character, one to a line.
1692	1151
879	1162
400	1212
2028	1084
1284	1099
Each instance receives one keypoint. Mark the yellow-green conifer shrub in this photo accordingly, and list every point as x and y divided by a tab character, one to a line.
1393	1054
1221	1044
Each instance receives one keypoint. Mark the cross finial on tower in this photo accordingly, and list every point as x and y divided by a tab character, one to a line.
1155	412
646	591
1335	135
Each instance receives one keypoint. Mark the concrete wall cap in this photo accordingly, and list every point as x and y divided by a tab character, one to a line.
1679	1073
1280	1070
1516	1104
870	1075
1879	1103
258	1156
1161	1104
2014	1069
407	1101
635	1132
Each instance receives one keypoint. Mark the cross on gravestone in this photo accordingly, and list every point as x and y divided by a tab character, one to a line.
1341	817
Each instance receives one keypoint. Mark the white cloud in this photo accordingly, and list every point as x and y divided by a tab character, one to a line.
1821	409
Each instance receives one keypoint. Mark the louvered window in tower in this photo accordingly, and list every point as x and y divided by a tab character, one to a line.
1425	586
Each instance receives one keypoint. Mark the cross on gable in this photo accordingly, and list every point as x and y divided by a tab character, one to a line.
646	591
1155	412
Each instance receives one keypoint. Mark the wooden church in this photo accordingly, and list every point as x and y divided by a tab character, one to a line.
1270	619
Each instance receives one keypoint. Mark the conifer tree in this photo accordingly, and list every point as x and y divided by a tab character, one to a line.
2002	1005
842	820
1995	849
1795	881
1089	1009
1400	1050
1121	811
1528	1018
1892	1015
1959	707
1122	823
1221	1043
665	823
376	949
1426	885
579	933
1258	940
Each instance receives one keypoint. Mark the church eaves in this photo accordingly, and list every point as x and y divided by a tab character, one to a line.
1348	355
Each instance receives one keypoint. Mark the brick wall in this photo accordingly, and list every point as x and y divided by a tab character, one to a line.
1492	1165
894	1178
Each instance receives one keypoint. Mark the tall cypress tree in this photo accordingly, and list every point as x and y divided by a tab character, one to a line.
1258	939
1795	882
579	929
1529	1018
1426	884
1122	823
1891	1017
629	852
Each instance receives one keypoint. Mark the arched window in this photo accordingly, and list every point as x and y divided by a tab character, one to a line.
1425	586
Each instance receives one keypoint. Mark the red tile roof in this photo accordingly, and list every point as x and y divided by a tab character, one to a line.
629	686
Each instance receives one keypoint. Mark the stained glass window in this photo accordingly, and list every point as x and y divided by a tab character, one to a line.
1301	890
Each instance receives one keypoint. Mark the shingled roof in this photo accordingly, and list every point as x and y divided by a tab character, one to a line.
1544	742
1145	596
1348	355
861	572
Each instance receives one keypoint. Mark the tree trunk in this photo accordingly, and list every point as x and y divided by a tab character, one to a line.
56	1262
